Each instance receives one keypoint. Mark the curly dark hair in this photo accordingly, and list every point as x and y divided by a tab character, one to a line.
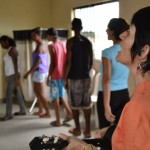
142	35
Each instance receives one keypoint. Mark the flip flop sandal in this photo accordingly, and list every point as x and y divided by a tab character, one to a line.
20	113
67	119
5	118
54	123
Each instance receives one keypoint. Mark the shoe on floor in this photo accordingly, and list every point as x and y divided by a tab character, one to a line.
5	118
20	113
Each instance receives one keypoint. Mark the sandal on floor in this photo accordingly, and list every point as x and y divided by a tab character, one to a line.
5	118
75	132
86	135
67	119
54	123
20	113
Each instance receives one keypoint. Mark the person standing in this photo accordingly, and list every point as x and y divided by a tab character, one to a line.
113	93
12	73
77	79
55	77
39	70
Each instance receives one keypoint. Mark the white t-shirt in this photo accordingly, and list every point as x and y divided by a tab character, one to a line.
8	64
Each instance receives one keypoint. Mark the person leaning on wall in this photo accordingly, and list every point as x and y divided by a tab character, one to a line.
132	131
12	73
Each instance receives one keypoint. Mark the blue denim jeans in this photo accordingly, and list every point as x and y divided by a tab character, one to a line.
12	89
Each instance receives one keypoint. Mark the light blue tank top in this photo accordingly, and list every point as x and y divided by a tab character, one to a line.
119	72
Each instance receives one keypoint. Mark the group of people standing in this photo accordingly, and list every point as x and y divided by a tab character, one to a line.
68	68
41	71
132	130
71	69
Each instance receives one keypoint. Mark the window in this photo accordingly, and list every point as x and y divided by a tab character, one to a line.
95	20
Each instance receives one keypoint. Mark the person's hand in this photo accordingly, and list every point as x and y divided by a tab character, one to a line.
47	81
74	143
66	84
108	114
17	81
26	75
101	132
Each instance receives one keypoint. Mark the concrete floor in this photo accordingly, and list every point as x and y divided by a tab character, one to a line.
16	134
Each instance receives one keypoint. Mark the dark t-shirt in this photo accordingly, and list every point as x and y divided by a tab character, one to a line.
81	58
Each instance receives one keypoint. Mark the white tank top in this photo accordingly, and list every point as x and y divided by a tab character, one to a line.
8	64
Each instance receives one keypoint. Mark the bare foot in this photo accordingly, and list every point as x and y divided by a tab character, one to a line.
45	115
87	134
67	119
38	113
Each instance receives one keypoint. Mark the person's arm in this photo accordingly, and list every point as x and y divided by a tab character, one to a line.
68	62
106	88
91	55
13	54
33	67
52	65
